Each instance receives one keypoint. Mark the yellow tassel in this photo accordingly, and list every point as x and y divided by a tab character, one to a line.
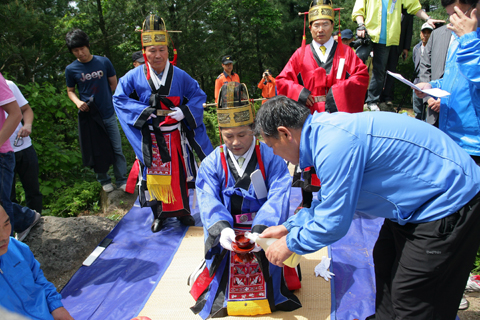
248	307
160	188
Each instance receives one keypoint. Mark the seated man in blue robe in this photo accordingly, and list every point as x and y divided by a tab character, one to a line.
231	201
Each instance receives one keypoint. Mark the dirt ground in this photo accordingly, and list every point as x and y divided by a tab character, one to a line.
473	311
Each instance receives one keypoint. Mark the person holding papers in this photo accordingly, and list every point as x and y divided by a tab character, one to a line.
232	201
459	112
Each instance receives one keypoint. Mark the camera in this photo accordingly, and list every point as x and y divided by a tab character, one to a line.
361	42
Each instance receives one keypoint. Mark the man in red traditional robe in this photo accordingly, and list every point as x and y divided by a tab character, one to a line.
326	75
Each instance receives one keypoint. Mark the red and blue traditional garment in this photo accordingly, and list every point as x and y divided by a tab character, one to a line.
163	145
227	200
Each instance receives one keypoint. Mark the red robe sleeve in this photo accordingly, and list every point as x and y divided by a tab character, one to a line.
349	91
289	82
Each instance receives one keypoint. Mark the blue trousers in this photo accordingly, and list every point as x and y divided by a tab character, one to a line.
120	165
20	217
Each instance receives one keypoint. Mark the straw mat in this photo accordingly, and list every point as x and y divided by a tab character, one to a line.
171	299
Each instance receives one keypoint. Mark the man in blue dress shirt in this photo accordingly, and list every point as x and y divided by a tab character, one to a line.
391	166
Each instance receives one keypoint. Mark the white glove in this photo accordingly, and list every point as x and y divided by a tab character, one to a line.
257	247
177	114
152	115
322	269
227	236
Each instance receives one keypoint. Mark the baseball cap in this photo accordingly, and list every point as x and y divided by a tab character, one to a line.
227	59
347	34
138	56
426	26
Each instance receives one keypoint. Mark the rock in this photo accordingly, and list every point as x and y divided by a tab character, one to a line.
62	244
117	199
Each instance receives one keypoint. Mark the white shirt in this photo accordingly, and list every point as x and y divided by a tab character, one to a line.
247	155
159	80
27	142
328	45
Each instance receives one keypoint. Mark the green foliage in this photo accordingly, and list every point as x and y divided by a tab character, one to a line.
55	137
476	268
71	201
211	123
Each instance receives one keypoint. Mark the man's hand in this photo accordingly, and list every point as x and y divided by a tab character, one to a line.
432	22
25	131
278	252
405	54
422	85
361	32
310	101
462	24
434	104
274	232
61	314
82	105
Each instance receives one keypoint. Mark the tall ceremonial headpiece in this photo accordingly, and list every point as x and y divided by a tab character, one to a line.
320	9
154	33
234	107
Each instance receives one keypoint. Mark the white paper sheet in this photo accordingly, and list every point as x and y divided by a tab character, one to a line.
434	92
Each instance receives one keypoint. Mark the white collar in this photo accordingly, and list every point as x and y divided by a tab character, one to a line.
247	155
157	82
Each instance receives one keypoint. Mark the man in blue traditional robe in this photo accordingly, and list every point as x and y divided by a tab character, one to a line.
231	202
163	126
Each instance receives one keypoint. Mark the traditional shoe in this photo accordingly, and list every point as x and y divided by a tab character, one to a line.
187	220
157	224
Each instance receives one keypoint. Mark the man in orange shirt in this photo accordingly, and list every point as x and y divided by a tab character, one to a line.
226	76
267	84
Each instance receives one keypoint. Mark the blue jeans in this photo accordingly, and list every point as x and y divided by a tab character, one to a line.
120	165
379	61
20	218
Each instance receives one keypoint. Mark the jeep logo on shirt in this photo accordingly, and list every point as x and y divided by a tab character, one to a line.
93	75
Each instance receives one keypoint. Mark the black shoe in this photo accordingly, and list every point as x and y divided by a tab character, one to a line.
187	220
157	224
372	317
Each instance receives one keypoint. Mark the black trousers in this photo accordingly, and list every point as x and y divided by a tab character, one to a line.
421	269
26	166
